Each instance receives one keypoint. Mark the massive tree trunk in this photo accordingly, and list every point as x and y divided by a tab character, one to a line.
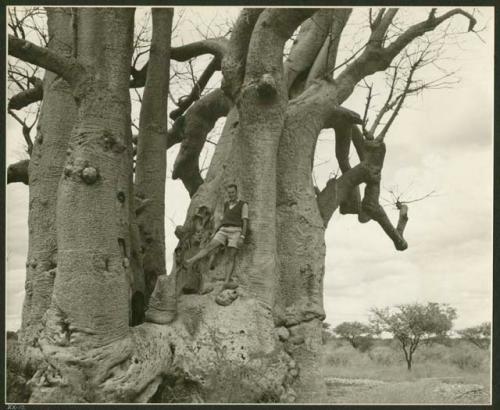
89	307
301	248
57	116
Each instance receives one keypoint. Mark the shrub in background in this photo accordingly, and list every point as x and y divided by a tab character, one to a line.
345	356
468	358
384	355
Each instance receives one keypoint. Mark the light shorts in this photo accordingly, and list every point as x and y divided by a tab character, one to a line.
229	235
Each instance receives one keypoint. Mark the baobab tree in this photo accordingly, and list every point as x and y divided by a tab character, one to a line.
96	242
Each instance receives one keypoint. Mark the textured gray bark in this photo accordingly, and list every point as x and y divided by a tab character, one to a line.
89	306
57	116
151	163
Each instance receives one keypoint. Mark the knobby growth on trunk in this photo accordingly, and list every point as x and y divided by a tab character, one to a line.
97	257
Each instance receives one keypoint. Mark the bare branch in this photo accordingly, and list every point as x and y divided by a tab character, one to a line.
367	133
69	69
26	130
185	102
421	28
377	58
400	100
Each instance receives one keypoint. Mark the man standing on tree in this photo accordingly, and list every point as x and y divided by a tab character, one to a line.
232	231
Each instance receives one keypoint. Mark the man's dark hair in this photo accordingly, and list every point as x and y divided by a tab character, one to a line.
232	186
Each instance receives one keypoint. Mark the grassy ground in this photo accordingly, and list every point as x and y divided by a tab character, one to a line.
440	374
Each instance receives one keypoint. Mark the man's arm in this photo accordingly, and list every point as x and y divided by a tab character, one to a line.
244	217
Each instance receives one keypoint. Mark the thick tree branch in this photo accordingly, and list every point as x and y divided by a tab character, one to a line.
196	125
18	172
327	56
310	39
374	23
215	46
275	27
375	154
27	97
403	217
338	190
26	51
343	136
367	171
379	29
176	132
233	63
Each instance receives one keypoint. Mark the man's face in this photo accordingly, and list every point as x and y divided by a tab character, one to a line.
232	193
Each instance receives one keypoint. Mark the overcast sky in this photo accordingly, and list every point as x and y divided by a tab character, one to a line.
441	142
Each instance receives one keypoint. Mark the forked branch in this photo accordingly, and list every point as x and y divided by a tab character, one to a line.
377	57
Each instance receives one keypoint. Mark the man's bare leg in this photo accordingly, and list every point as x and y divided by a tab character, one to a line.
202	253
229	273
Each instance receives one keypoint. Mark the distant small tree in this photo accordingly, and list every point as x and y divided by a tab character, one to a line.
478	335
326	332
355	333
413	323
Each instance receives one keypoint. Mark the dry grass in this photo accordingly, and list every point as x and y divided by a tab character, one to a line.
441	374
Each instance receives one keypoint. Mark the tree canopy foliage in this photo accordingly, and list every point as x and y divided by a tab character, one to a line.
479	335
413	323
353	332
